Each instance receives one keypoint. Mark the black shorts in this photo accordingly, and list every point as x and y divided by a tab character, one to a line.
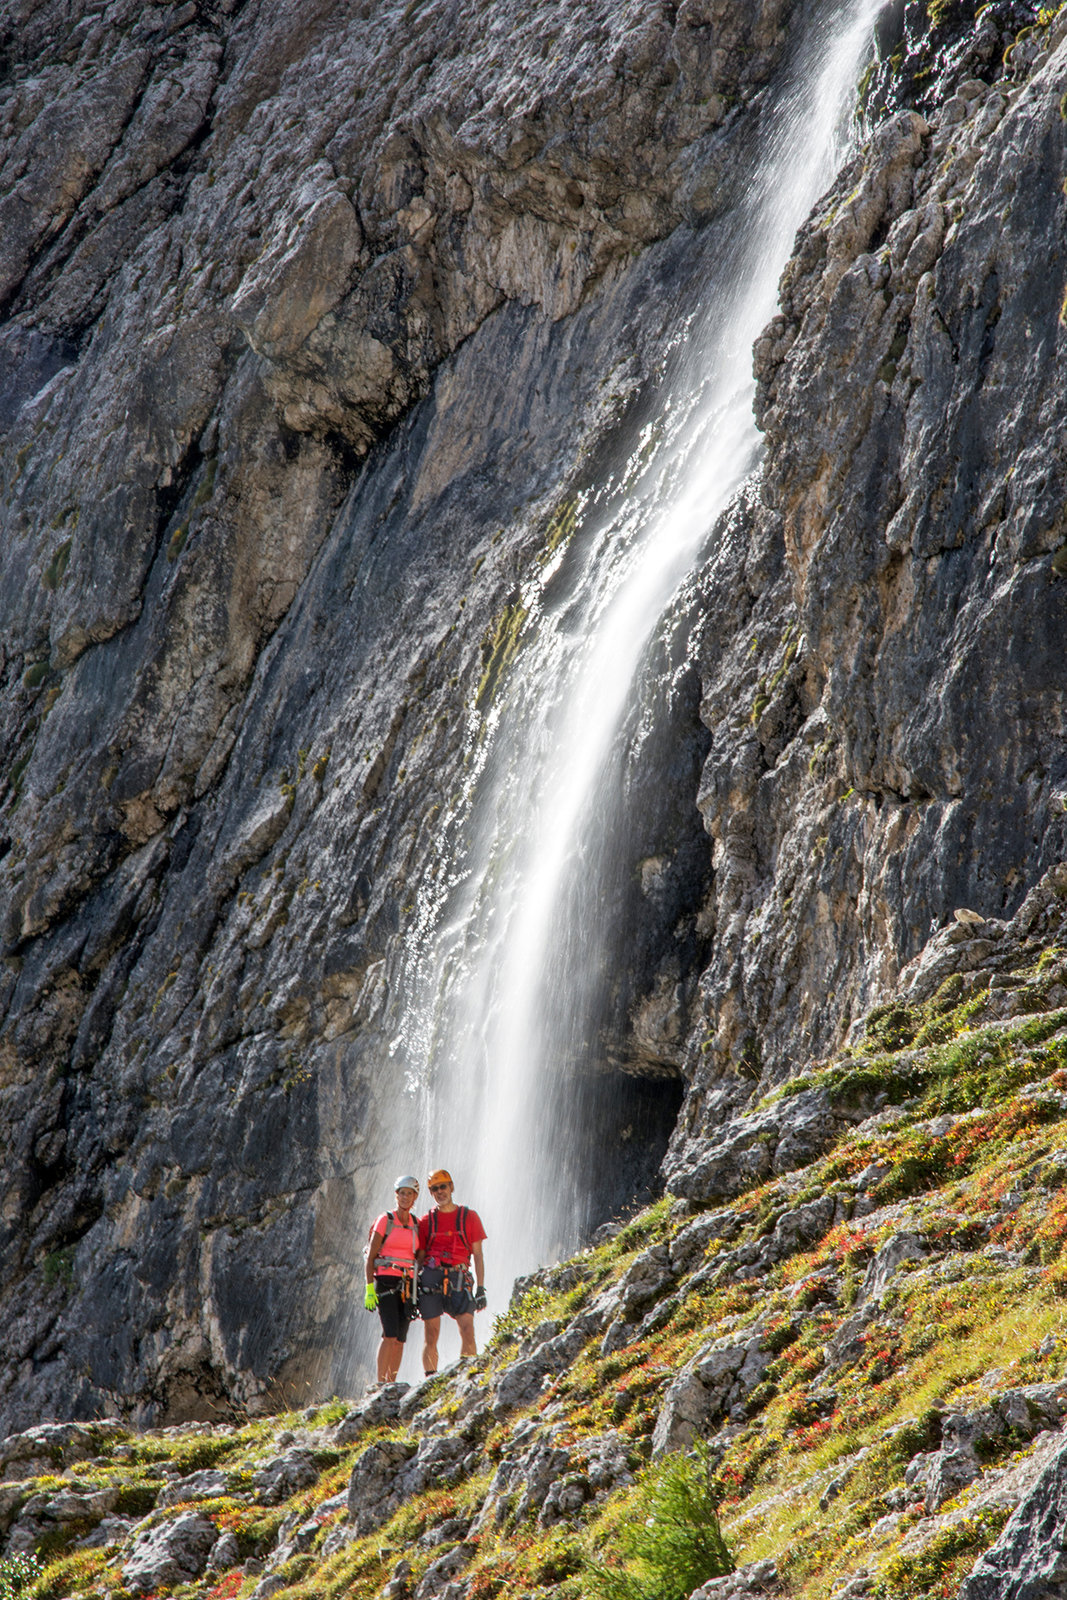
433	1300
395	1308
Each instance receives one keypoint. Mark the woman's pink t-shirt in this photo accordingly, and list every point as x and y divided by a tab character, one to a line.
399	1245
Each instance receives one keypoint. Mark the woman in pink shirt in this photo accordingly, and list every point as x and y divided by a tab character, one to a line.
394	1241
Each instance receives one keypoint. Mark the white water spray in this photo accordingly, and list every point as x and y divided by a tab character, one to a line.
507	988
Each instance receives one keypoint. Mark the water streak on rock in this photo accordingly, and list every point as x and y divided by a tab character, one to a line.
508	988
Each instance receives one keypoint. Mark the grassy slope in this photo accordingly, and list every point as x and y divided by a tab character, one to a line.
959	1136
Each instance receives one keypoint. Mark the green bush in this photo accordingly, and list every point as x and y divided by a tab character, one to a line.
137	1499
673	1543
16	1575
891	1027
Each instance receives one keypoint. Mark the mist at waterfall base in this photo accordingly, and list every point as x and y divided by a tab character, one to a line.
525	1082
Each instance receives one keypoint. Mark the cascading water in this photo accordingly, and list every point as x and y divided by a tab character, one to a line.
506	989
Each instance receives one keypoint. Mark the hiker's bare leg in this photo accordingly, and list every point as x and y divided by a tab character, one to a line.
465	1323
390	1352
431	1328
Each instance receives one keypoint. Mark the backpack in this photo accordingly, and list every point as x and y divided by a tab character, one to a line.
382	1259
461	1229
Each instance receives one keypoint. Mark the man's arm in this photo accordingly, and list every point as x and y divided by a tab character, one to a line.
479	1265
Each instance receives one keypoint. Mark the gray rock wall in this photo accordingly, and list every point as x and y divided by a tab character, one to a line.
315	320
886	617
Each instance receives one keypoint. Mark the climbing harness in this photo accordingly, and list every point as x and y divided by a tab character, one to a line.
461	1231
404	1265
456	1276
443	1280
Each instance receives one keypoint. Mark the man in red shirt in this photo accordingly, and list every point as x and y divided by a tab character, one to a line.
449	1236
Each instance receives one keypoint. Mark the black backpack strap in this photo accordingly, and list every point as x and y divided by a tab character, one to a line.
461	1228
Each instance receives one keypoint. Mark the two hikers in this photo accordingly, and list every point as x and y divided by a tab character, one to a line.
435	1254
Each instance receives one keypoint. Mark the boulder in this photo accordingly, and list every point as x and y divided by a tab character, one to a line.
281	1477
888	1259
205	1485
225	1553
1029	1559
44	1513
521	1382
718	1378
381	1405
689	1244
111	1531
169	1554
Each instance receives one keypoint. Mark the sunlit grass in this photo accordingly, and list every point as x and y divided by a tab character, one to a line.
824	1424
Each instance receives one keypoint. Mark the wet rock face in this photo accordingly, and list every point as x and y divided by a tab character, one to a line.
411	175
299	307
925	50
886	614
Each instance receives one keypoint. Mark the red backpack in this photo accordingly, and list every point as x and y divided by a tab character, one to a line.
461	1229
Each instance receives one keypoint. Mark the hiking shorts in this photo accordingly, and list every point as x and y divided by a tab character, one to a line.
433	1300
396	1311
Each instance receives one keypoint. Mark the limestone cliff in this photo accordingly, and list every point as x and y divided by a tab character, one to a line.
240	246
317	318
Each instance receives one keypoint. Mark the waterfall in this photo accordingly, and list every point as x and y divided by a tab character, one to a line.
506	984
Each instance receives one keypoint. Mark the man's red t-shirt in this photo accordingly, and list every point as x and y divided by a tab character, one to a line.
448	1249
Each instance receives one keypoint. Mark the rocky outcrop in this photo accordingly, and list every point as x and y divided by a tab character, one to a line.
1029	1558
547	1480
719	1378
389	1473
52	1446
884	615
924	51
760	1578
